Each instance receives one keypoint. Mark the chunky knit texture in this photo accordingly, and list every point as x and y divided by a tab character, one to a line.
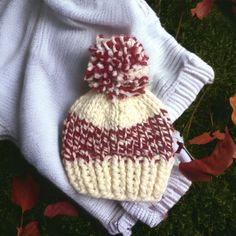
118	67
43	49
153	213
107	153
117	138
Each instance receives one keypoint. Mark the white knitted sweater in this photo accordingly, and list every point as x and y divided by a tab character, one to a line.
43	57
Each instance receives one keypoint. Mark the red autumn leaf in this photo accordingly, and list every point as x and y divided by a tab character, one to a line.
202	9
19	231
207	137
232	101
25	193
202	139
30	229
214	164
60	208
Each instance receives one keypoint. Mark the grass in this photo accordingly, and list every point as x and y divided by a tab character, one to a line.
208	208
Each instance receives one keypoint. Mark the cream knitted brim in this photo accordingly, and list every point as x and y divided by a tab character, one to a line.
95	127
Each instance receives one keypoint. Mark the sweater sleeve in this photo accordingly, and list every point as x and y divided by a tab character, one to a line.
177	74
194	74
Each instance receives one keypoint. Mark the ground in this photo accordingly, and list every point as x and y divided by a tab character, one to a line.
208	208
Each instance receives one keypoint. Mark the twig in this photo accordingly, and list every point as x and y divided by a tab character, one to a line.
21	224
180	24
159	8
211	117
189	123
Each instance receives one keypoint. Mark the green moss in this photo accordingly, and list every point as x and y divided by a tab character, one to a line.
208	208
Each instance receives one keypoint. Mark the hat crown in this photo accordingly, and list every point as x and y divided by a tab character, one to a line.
117	138
117	67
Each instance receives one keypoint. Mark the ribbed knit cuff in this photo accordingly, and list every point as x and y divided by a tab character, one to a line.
177	75
191	79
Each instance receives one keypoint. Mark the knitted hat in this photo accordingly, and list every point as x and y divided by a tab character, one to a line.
117	138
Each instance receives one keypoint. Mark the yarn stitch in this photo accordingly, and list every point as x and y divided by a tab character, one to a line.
117	138
118	67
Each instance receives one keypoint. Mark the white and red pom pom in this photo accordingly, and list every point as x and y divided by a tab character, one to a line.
117	67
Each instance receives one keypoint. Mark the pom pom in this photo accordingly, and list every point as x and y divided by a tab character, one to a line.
117	67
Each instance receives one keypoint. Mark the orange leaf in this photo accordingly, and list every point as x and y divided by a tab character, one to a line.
232	101
202	9
30	229
234	156
25	193
215	164
202	139
207	137
60	208
217	134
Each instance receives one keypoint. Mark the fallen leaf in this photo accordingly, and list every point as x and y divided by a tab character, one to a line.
207	137
217	134
204	138
25	193
202	9
19	231
60	208
234	156
214	164
30	229
232	101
